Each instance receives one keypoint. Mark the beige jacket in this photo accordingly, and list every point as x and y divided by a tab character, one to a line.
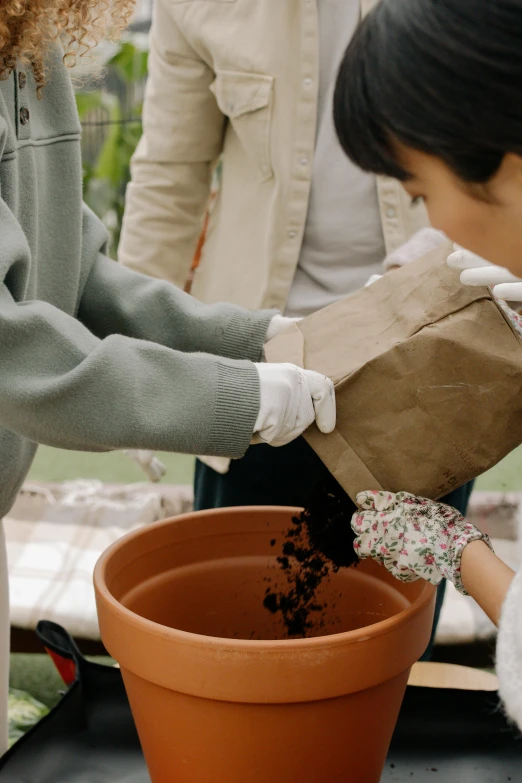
237	77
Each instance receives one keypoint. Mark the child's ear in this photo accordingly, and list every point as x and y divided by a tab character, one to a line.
511	169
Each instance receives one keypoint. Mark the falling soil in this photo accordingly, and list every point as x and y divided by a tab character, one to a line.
319	541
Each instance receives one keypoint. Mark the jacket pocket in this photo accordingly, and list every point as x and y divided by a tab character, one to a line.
246	99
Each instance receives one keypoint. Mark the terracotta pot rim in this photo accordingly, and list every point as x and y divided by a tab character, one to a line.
279	646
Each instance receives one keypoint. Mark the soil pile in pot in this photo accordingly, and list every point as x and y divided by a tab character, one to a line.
319	541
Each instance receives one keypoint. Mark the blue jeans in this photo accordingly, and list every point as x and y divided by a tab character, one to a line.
285	476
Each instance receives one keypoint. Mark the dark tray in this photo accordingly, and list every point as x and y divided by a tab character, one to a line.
442	735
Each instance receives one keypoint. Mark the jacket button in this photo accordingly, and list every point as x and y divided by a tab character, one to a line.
22	80
24	115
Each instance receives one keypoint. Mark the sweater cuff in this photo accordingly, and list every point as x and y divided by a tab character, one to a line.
509	651
456	573
236	411
245	333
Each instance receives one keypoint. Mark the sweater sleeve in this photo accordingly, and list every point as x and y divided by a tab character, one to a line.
182	139
116	300
509	651
63	386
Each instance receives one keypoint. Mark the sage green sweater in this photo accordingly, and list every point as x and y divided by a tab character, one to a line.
93	356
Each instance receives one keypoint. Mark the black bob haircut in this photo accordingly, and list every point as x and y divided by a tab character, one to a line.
443	77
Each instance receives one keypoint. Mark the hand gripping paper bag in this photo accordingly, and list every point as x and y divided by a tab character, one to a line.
428	377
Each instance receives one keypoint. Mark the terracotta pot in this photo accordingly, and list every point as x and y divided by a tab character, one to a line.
217	692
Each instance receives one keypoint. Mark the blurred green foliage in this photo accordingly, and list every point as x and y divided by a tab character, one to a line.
106	176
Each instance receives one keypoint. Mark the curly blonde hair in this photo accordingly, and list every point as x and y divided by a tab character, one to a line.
27	27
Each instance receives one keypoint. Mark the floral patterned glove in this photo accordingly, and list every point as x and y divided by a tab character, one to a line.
413	537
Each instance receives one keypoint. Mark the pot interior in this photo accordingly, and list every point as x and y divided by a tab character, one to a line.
223	597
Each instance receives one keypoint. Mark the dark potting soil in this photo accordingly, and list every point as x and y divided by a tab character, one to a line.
319	541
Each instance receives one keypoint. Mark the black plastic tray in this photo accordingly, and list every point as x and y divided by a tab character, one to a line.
442	735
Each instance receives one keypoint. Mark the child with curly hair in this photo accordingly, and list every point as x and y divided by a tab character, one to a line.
93	356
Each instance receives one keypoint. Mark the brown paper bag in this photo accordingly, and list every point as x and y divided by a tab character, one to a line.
428	377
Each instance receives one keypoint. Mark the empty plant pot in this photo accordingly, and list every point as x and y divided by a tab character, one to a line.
219	695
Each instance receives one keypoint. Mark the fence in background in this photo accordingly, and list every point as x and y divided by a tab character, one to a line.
110	106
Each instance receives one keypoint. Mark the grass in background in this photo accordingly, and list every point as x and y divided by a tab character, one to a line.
504	477
112	468
116	468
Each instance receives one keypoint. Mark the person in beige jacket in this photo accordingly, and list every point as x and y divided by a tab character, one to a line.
295	226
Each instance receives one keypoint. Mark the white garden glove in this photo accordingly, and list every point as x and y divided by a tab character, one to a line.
424	241
476	271
153	468
291	400
278	324
413	537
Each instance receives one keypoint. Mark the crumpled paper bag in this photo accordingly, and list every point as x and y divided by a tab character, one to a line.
428	377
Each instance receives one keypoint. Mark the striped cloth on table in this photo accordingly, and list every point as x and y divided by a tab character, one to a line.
54	538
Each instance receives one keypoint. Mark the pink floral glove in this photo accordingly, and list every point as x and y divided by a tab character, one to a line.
413	537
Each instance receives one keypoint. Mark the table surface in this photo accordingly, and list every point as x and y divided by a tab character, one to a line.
445	675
